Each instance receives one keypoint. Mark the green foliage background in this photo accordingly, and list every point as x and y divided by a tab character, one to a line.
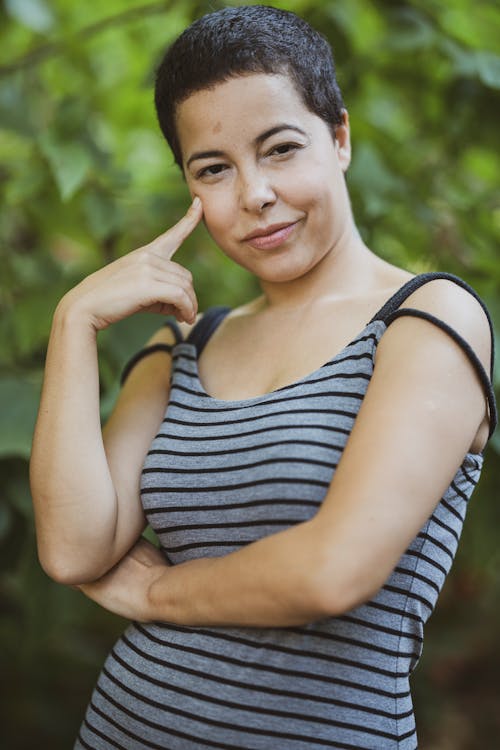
85	177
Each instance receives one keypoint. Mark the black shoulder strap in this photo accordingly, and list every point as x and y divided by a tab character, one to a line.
172	324
399	297
469	351
391	311
151	349
205	327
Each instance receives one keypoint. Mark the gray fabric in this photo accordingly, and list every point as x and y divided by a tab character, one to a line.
220	475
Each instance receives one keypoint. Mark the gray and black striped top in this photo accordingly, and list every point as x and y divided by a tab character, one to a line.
221	474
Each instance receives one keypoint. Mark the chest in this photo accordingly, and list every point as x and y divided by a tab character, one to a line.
222	474
248	360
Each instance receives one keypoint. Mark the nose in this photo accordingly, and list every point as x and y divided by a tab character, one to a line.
256	191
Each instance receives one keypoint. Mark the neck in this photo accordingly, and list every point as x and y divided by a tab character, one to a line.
347	269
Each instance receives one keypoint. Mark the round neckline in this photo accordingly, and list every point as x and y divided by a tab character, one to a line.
231	403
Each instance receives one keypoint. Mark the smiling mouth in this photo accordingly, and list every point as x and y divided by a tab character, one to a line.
271	237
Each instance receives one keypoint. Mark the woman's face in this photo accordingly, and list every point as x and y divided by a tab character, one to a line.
268	173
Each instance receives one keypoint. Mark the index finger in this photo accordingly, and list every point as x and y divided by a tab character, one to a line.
169	242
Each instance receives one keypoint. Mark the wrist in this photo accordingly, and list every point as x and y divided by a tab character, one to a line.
155	599
70	313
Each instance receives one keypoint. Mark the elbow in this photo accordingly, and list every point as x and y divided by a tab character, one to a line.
339	592
69	572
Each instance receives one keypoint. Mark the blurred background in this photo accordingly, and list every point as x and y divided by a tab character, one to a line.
85	176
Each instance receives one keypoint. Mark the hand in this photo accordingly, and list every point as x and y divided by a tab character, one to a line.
145	279
124	589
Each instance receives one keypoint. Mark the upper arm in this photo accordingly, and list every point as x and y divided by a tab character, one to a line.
129	431
420	415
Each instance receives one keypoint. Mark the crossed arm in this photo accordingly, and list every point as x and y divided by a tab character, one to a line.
424	409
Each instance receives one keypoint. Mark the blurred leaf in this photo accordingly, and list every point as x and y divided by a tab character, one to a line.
376	182
488	66
70	163
18	408
35	14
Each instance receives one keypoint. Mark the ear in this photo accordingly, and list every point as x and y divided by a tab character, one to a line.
343	141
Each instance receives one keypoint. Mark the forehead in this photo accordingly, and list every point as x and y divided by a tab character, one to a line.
240	107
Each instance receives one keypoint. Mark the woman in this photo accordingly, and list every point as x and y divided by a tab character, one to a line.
305	459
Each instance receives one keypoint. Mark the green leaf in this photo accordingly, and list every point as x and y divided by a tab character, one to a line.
19	400
488	67
70	163
35	14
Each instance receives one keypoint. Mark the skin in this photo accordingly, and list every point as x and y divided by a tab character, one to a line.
319	288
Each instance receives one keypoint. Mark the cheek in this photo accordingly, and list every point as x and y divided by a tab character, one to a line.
217	215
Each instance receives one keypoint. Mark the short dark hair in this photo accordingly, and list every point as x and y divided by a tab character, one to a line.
240	41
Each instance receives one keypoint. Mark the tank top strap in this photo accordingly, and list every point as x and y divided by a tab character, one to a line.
399	297
206	326
390	311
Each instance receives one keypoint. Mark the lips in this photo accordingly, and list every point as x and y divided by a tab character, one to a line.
271	236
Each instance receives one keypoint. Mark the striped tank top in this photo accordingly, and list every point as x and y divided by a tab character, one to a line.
222	474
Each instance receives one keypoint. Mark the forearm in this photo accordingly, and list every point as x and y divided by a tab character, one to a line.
274	582
72	489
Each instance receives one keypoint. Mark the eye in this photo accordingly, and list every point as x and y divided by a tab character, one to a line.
213	170
284	149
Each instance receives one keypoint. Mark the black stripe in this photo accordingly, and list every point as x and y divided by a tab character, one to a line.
181	353
255	709
379	628
307	675
229	451
470	479
306	381
369	646
239	467
419	576
268	732
267	415
274	647
247	728
228	506
449	507
237	485
444	526
144	742
98	733
270	428
459	492
394	610
207	545
301	396
193	737
136	717
436	543
175	732
83	742
427	559
409	595
234	525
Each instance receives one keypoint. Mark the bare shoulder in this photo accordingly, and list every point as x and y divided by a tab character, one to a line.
165	334
458	308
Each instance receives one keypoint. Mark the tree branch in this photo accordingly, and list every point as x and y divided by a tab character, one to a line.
44	51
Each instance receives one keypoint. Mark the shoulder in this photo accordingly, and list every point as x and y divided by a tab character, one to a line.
165	334
453	305
149	366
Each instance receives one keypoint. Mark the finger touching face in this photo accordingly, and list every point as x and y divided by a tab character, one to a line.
169	242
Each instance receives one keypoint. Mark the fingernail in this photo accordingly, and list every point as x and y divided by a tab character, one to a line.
196	202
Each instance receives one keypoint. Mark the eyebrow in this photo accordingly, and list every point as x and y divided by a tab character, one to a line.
257	142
